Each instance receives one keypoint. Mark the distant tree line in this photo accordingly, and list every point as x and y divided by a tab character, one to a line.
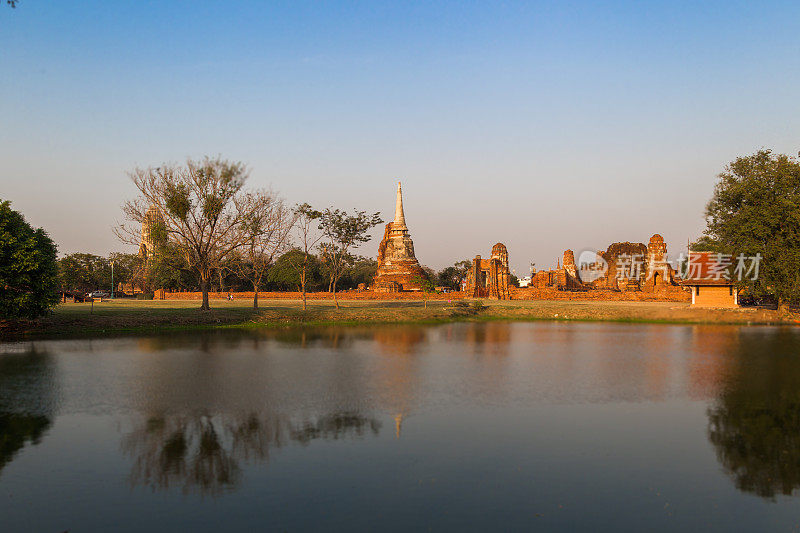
85	272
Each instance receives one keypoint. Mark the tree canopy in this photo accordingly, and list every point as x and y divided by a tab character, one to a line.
343	232
28	271
201	210
755	209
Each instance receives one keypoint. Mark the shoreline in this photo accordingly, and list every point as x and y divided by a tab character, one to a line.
137	317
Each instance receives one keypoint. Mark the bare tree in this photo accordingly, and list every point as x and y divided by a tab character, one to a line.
342	233
266	231
305	222
201	208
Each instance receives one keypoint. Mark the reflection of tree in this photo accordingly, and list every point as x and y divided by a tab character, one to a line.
755	423
17	430
181	451
26	401
202	453
333	427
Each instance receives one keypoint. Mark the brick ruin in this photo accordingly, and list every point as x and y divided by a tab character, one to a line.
562	277
630	266
489	278
151	238
398	268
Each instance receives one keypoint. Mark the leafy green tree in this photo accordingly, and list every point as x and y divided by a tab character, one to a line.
705	244
360	270
28	270
169	269
84	272
286	276
344	232
426	284
755	209
449	277
452	276
126	267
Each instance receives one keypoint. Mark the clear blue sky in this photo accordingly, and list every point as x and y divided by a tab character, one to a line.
542	125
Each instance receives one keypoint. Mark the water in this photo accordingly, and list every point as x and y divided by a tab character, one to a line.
496	426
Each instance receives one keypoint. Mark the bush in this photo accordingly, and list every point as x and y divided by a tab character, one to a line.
462	308
145	296
28	268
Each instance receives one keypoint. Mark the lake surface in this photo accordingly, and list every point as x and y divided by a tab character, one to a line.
494	426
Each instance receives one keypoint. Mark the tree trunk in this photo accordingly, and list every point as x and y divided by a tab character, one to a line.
255	296
334	294
204	289
303	285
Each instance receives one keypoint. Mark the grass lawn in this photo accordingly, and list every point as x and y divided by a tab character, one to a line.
132	316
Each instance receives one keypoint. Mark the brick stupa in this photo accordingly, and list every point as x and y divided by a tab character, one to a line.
398	268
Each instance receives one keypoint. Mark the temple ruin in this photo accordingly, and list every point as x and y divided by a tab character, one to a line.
398	268
623	266
152	233
563	277
489	278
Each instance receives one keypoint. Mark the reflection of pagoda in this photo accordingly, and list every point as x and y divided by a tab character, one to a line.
398	267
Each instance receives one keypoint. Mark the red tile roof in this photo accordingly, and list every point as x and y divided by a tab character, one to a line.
709	268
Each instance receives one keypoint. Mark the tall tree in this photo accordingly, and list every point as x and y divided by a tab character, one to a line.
344	232
756	210
28	271
307	237
201	208
266	232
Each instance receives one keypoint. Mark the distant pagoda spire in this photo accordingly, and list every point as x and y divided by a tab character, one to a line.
399	217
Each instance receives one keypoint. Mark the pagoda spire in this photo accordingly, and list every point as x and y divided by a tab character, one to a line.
399	216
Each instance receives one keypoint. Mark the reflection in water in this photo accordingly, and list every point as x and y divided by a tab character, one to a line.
27	390
18	430
481	405
492	337
754	424
203	453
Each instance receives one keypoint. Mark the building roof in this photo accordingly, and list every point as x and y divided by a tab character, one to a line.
708	269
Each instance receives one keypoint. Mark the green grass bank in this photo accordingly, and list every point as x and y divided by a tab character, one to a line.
132	316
